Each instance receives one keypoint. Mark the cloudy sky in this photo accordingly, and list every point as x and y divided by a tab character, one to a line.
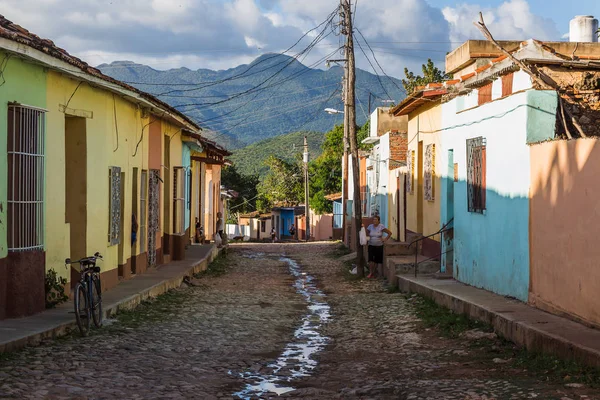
219	34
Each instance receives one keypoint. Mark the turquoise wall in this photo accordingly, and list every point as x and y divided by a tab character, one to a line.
24	83
491	250
541	115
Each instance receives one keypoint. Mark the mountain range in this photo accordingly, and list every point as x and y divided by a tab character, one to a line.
274	95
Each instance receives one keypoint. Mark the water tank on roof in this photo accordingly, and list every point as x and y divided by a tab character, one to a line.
583	28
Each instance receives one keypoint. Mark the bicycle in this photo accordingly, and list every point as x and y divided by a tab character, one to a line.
88	294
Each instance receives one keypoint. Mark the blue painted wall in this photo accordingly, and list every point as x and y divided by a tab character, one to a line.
287	219
491	250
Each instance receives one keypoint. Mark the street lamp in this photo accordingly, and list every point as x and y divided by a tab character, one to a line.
333	111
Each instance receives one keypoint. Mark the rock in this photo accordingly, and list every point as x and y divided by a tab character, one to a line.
476	334
348	257
575	385
584	120
501	361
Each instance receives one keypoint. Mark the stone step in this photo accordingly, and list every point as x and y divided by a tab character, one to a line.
394	248
405	265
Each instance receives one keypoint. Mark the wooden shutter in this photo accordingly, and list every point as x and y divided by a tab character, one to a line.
507	84
485	94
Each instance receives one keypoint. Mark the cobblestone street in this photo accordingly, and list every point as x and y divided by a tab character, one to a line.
254	323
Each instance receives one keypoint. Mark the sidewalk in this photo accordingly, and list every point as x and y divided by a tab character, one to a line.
534	329
20	332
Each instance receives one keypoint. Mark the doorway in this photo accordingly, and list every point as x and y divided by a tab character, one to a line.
420	189
135	212
76	189
448	242
167	196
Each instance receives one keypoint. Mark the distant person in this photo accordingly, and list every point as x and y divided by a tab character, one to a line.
273	235
220	224
292	230
199	235
376	241
134	229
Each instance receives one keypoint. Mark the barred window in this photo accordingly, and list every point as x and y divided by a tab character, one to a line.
429	175
115	199
143	209
476	171
25	145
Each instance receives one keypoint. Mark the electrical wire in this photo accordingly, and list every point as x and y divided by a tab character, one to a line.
238	76
374	70
116	124
73	94
261	86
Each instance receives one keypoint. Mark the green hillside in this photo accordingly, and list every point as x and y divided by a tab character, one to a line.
291	96
249	160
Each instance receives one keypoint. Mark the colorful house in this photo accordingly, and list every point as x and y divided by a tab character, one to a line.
85	155
424	112
506	164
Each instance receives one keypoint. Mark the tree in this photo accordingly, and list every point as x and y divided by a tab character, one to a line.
431	74
245	185
282	184
326	171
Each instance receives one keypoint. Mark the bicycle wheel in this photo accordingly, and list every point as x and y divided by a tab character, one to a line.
96	301
82	309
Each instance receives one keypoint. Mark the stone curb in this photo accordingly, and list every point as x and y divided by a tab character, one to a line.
128	303
523	333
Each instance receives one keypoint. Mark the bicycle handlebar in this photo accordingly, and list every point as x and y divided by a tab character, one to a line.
96	256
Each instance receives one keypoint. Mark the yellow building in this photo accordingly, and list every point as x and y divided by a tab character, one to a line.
113	157
423	167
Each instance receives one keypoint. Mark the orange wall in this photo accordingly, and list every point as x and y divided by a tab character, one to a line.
565	227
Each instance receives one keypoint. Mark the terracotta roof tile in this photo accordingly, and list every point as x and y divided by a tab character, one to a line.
467	76
481	69
501	58
452	82
435	85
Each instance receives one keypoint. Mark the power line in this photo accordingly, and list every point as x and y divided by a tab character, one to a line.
259	86
374	70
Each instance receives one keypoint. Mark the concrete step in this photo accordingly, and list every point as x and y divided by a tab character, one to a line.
405	265
395	248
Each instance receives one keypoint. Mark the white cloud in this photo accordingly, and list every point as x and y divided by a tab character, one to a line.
224	33
512	20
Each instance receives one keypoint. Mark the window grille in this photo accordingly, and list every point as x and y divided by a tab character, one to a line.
178	201
114	229
429	173
143	208
25	145
476	171
410	161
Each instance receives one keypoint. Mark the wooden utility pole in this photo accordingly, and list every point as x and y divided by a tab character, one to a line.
350	111
345	143
306	181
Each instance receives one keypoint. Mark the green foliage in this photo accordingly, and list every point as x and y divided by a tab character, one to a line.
245	185
250	160
326	171
292	100
282	184
431	74
55	289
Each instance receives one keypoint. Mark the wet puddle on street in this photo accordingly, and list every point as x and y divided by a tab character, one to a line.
296	360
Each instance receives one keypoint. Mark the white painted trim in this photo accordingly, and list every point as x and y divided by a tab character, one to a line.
64	67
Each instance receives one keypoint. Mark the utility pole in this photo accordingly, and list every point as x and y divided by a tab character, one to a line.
350	111
306	206
346	145
370	94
